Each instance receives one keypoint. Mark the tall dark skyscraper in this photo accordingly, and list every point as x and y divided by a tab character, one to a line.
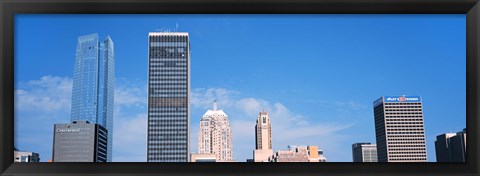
451	147
399	129
93	84
168	97
79	141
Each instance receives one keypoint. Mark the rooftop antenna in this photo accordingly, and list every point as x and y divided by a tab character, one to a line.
214	104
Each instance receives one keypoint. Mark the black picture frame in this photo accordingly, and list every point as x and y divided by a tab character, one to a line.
9	8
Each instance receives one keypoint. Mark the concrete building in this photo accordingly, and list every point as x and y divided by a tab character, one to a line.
364	152
299	154
451	147
400	129
203	157
263	138
93	84
168	97
215	135
80	141
25	157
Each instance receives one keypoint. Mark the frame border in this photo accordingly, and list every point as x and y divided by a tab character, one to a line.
9	8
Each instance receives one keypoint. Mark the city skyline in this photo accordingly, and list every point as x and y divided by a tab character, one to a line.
309	105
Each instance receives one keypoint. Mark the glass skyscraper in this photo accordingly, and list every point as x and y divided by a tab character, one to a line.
93	84
168	97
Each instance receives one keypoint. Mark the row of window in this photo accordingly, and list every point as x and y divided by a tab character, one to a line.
402	113
392	106
393	109
421	126
405	146
419	157
418	142
392	119
170	96
161	86
167	117
403	149
168	82
169	114
406	139
403	136
390	123
405	132
405	129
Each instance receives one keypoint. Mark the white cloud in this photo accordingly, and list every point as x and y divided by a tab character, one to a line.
130	95
130	138
48	94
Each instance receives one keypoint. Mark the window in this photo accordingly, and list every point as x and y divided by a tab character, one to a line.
264	119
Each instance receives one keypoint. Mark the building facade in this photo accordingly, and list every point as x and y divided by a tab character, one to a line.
93	84
451	147
364	152
263	138
80	141
399	129
25	157
299	154
215	135
168	97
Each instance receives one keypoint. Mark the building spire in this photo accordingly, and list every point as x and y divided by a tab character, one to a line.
214	104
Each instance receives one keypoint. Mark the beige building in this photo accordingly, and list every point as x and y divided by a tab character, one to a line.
299	154
204	157
215	135
263	138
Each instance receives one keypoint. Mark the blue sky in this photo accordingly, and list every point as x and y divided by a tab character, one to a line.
317	75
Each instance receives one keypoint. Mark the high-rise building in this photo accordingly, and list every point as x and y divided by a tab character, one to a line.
93	84
263	138
215	136
399	129
80	141
25	157
451	147
364	152
168	97
299	154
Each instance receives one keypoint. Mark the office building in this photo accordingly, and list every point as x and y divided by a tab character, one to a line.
299	154
364	152
168	97
263	138
214	135
399	129
93	84
451	147
25	157
203	157
80	141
